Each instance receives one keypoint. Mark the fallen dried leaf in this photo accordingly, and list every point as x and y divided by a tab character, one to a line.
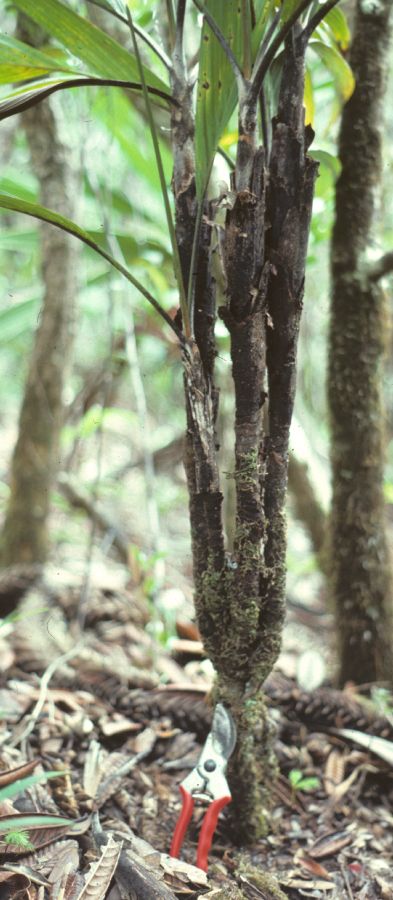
182	870
380	746
13	885
12	775
118	725
306	862
329	844
102	871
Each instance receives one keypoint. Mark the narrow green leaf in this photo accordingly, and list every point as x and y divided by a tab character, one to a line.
217	90
338	67
53	218
338	25
87	42
29	95
164	189
24	187
309	99
12	790
34	820
19	61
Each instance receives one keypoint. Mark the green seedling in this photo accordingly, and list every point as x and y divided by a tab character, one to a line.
300	783
14	826
18	839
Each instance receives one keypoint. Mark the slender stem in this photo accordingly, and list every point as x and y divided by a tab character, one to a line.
267	38
313	23
140	32
247	61
181	11
260	72
228	159
171	23
224	43
168	211
178	50
263	112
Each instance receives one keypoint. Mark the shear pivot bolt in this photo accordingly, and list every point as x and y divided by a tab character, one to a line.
210	765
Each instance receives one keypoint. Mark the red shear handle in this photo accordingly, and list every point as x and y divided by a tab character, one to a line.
182	822
208	829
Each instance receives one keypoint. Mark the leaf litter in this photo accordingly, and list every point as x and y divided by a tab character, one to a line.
118	721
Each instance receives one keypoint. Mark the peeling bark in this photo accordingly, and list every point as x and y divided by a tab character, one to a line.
35	458
361	577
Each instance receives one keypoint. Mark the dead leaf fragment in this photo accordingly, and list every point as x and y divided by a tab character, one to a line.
12	775
102	871
13	886
110	727
306	862
329	844
183	871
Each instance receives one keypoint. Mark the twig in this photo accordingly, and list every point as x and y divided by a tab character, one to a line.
44	684
81	500
381	267
227	158
260	71
346	880
313	23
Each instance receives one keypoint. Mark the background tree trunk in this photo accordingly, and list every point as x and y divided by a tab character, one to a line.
359	558
35	459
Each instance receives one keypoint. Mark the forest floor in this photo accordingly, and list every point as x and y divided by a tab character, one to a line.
92	692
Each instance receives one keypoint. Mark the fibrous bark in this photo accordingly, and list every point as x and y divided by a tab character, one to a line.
361	578
36	455
240	597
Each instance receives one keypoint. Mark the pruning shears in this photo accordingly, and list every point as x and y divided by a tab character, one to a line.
207	782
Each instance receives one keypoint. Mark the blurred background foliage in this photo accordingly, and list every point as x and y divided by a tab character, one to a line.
124	395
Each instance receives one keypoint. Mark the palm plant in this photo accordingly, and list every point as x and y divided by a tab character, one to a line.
251	64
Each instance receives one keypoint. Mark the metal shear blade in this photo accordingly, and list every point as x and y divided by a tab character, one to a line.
207	781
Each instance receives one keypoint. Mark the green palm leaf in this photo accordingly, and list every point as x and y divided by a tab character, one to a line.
217	91
19	61
48	215
29	95
85	41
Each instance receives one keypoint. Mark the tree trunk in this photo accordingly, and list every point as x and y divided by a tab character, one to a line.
240	598
361	577
36	455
